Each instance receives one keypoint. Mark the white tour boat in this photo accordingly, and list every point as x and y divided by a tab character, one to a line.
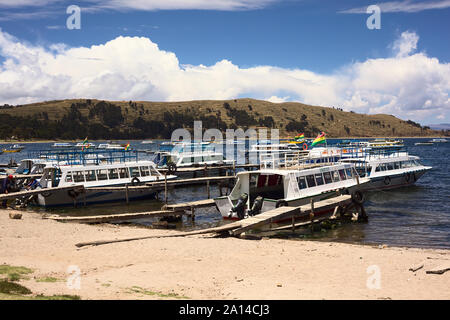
289	186
389	171
97	175
62	145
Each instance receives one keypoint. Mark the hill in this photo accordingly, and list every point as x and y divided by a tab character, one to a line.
98	119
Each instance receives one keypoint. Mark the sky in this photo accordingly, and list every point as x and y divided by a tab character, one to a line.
319	52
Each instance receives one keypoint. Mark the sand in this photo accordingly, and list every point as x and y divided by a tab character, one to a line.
202	267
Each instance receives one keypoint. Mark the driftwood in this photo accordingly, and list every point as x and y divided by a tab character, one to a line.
440	269
179	234
417	266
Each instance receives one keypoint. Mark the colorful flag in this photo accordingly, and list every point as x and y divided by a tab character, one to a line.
320	139
84	143
300	137
127	147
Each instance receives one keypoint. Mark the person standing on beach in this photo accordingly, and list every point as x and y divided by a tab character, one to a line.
5	187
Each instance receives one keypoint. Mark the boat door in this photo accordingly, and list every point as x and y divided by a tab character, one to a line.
50	178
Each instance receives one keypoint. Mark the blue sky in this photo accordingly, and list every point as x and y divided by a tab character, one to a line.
319	39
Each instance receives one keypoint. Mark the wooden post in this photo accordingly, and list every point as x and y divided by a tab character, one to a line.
165	187
192	214
127	196
311	215
234	167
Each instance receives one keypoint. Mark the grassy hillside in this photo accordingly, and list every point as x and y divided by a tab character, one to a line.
76	119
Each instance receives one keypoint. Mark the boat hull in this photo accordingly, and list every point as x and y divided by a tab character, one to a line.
393	181
223	204
62	198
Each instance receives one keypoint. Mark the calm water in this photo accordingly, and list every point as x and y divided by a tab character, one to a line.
417	216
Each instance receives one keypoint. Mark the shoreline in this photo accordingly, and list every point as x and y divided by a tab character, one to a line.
283	138
202	267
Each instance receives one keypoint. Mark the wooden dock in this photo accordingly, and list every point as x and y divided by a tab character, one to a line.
189	205
116	217
238	228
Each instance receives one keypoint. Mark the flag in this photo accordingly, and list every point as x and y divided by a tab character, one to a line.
85	142
320	139
127	147
300	138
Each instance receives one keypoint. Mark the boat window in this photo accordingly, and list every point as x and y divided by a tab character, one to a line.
253	179
102	174
90	175
78	176
348	172
417	163
311	181
389	166
123	172
335	176
144	171
396	165
261	181
69	177
113	174
319	179
327	177
302	183
342	174
187	160
153	171
134	172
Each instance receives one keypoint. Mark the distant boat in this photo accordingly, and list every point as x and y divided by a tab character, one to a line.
147	142
14	148
62	145
423	143
438	140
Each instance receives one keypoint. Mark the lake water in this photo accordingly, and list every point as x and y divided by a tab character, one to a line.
415	216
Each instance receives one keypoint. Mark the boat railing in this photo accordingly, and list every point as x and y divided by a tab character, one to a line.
295	159
83	157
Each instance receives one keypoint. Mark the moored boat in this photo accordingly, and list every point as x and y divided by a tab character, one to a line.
263	190
92	176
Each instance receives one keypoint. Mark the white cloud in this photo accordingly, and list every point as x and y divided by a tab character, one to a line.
406	84
406	44
276	99
147	5
404	6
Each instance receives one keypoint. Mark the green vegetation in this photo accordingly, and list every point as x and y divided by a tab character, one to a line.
48	279
11	273
11	290
136	289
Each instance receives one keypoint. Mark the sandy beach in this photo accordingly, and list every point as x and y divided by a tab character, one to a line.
202	267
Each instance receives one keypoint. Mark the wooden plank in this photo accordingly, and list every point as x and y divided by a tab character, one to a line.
26	193
116	217
189	205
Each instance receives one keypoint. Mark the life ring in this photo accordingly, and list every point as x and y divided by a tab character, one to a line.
305	146
281	203
171	168
135	181
72	193
46	194
387	181
358	197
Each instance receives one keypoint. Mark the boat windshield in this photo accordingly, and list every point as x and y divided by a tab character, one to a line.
268	186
